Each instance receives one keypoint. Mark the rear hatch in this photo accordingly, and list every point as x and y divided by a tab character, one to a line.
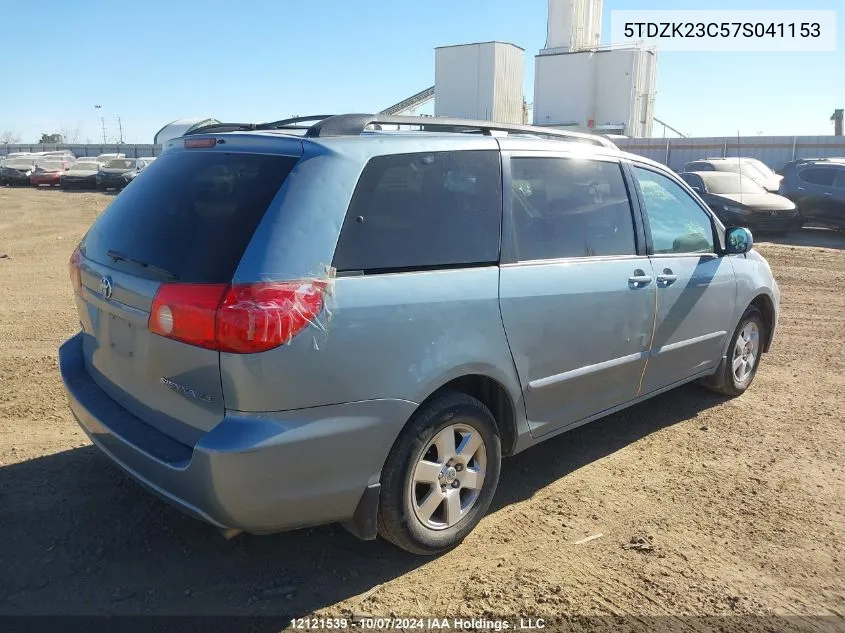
186	224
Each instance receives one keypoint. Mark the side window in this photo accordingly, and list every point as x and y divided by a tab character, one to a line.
839	181
426	210
678	224
565	207
818	176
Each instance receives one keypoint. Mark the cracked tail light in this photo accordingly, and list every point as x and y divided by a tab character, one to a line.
236	318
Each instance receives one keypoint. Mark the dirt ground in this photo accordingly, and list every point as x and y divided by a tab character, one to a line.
741	500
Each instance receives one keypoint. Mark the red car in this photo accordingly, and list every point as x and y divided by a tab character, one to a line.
49	172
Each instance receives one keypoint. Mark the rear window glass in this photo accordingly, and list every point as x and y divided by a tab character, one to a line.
426	210
50	164
699	167
192	215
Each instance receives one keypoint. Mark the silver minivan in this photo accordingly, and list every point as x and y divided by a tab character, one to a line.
284	325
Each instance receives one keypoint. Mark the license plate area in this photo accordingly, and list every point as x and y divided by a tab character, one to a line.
121	336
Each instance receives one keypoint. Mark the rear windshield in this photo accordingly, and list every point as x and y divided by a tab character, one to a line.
88	166
120	163
50	164
192	215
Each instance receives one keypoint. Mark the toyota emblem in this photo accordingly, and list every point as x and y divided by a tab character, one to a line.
105	287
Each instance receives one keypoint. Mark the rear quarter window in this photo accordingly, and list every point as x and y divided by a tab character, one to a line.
421	211
192	214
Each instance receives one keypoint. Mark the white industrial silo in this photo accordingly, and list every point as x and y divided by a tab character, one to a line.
581	85
480	81
574	24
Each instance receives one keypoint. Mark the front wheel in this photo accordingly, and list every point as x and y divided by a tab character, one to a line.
744	354
440	476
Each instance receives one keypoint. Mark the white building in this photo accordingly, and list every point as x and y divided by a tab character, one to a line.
583	86
480	81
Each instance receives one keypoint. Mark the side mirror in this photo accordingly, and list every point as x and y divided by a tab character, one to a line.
738	240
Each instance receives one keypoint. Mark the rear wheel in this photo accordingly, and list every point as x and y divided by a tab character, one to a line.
440	476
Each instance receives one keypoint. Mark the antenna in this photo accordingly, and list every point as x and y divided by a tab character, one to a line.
739	164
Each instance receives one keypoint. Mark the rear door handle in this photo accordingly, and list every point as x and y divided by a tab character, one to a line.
667	277
828	193
639	279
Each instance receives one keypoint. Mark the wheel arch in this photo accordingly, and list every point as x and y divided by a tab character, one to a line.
766	306
493	394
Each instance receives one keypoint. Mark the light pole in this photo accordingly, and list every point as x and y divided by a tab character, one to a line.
102	124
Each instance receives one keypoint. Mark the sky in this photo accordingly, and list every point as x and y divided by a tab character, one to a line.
151	62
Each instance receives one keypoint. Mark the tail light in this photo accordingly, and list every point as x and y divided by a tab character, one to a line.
76	271
187	313
237	318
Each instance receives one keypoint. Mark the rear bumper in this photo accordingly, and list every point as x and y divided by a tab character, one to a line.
45	180
258	472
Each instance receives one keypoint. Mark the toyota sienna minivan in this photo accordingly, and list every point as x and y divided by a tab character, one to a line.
283	325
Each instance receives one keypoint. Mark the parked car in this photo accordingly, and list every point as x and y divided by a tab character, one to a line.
104	158
49	171
788	166
118	172
739	201
818	189
62	153
17	170
140	165
280	330
767	179
12	155
763	168
81	175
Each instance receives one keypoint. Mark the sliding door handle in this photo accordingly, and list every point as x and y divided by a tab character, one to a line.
667	277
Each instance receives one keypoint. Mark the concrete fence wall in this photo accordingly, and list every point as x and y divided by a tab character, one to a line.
131	151
775	151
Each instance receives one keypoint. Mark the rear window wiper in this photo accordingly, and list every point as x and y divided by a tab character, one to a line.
118	257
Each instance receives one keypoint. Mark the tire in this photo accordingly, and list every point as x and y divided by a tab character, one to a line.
733	383
404	505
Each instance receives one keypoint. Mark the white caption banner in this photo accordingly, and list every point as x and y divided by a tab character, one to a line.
727	31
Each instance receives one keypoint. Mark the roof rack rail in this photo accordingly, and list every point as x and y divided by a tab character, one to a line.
291	123
249	127
355	124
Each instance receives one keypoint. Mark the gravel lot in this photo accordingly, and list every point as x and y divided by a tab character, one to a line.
740	501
